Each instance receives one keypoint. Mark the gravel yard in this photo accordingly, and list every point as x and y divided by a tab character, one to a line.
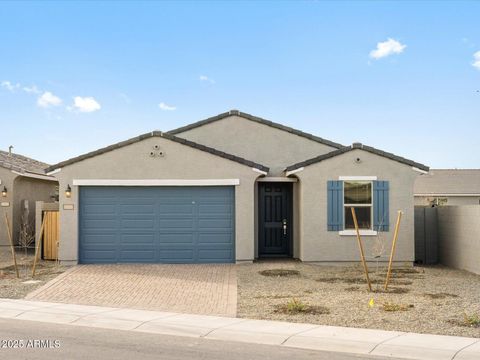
420	299
13	288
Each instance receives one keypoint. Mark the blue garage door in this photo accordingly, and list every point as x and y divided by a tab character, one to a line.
156	225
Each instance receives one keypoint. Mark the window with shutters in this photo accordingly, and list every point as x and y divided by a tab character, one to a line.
358	194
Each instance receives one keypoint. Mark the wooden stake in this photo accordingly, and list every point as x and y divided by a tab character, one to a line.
38	247
392	253
12	248
362	255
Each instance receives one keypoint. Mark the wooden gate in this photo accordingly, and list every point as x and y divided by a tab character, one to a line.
50	235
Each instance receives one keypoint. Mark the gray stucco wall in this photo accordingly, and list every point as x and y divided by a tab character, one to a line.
318	244
459	236
452	200
20	188
180	162
263	144
32	190
7	178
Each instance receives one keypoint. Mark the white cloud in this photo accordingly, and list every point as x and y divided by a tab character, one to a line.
85	104
31	89
166	107
387	48
48	99
206	78
9	86
476	60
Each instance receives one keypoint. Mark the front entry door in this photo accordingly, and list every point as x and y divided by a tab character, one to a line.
275	219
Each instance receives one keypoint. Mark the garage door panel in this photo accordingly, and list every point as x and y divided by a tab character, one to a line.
176	209
176	255
137	224
100	209
136	239
176	238
177	223
137	209
99	223
98	239
214	254
214	224
156	224
224	238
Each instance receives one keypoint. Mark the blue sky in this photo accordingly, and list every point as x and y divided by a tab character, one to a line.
76	76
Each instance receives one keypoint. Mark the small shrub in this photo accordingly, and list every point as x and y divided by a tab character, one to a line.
396	307
279	272
295	306
472	320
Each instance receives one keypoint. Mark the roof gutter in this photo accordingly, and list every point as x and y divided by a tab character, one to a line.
35	176
291	172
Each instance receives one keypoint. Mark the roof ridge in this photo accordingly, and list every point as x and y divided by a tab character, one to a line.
167	136
258	120
355	146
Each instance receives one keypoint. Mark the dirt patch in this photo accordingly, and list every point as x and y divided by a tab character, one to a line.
279	272
396	307
343	290
440	295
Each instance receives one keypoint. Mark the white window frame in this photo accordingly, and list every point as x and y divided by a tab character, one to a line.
361	179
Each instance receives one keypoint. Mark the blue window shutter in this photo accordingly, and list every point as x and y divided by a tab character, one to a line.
380	206
335	205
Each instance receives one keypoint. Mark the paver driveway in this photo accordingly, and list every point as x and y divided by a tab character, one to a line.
197	289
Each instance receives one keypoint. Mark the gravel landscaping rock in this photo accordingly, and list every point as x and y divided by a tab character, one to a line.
430	300
13	288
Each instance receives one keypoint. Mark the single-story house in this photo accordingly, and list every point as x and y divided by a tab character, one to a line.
232	188
448	187
22	181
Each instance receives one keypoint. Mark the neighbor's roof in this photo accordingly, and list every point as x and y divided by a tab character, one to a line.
448	181
21	163
354	146
162	135
258	120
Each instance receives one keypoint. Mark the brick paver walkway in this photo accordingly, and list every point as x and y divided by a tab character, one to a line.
196	289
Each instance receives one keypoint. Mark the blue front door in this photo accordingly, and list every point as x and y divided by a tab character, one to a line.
157	224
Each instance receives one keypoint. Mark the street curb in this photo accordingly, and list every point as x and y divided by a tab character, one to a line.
294	335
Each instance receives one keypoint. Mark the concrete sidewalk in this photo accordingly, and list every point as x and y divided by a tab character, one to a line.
306	336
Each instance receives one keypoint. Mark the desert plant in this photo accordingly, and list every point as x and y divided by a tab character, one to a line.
296	306
26	238
472	320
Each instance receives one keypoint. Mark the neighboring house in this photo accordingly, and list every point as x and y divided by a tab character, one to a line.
232	188
448	187
22	178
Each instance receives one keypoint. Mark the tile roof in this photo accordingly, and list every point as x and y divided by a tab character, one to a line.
353	147
448	181
258	120
21	163
162	135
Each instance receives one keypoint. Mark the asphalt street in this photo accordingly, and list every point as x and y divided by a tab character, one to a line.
37	340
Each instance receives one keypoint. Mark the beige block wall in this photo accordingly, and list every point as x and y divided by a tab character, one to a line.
452	200
263	144
318	244
179	162
459	237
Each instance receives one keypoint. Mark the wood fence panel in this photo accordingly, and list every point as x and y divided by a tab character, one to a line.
51	235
